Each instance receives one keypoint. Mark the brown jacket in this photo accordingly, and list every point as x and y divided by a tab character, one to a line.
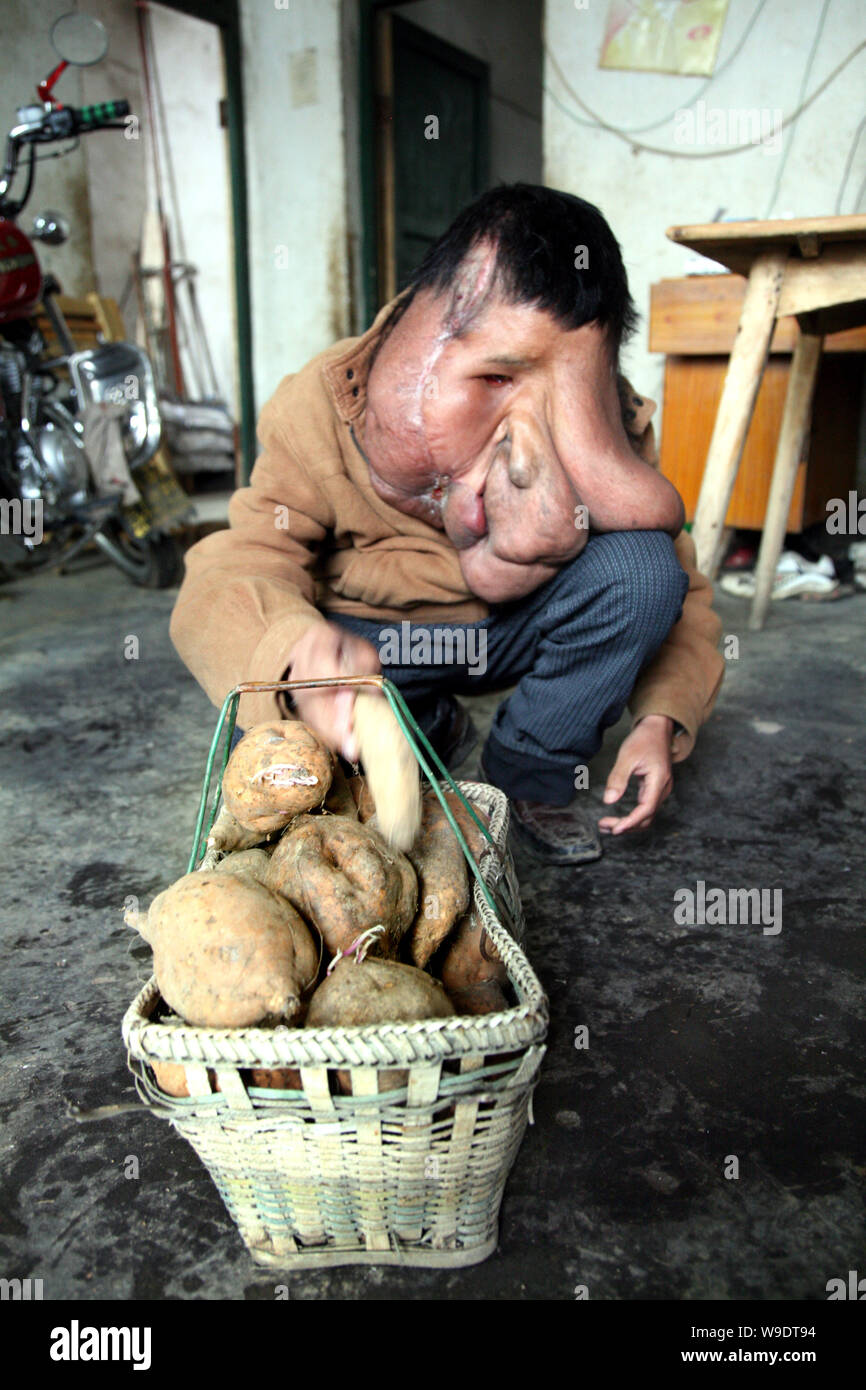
310	533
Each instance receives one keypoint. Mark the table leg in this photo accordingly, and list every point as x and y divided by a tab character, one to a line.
789	452
745	368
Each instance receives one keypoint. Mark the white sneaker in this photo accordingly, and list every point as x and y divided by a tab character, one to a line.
794	576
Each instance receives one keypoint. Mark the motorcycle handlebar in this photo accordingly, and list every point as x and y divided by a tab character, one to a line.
57	124
102	113
64	121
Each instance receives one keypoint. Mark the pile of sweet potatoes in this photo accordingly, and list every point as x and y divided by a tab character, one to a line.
308	916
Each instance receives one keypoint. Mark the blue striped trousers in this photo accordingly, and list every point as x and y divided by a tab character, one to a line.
574	649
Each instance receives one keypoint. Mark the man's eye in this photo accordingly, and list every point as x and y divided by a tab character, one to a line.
495	379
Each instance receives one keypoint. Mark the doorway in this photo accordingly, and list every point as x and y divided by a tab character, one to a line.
450	102
432	140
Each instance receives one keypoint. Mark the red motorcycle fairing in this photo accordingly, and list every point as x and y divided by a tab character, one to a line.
20	276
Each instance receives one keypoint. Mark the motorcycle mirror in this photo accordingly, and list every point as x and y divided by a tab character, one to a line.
79	39
51	227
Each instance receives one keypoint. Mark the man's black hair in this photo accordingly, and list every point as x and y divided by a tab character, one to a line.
554	251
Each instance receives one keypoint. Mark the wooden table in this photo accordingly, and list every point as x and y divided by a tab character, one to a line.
811	268
693	320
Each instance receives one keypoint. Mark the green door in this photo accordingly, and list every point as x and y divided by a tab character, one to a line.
439	153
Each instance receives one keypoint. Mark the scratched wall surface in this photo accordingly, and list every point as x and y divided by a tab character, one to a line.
296	180
704	1041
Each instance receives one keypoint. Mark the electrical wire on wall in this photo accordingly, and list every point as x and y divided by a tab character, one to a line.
696	96
848	163
627	133
807	73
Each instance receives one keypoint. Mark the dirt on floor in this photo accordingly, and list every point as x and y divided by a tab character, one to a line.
702	1138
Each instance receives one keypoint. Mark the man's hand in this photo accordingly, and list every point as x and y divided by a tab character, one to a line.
329	650
645	754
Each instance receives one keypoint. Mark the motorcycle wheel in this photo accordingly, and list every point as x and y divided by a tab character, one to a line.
154	562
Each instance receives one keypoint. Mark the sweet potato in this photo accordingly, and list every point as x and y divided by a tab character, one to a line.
171	1078
342	877
391	769
228	952
484	997
362	797
277	771
340	801
376	991
227	834
475	838
443	883
276	1078
252	863
357	993
409	889
470	957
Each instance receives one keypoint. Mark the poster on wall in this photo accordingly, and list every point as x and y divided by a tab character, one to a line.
679	36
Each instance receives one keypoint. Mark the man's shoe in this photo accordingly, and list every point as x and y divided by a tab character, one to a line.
455	733
558	834
555	834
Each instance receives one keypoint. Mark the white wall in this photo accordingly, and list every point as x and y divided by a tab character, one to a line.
643	193
296	184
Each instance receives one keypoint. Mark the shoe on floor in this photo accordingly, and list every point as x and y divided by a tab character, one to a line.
558	834
794	576
742	558
555	834
455	735
797	575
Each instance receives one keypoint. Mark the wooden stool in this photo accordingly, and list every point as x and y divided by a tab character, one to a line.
814	269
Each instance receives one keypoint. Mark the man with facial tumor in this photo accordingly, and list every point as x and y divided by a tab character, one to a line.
474	462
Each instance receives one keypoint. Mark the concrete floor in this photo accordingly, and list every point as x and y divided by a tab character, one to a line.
705	1041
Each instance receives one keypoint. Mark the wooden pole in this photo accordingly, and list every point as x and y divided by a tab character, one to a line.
789	453
743	378
141	11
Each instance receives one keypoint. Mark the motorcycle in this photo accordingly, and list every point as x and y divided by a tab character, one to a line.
79	430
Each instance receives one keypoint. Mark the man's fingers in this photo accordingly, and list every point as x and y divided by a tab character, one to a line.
635	820
327	650
618	779
357	657
655	787
347	739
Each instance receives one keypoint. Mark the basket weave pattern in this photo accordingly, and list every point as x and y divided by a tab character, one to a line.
409	1176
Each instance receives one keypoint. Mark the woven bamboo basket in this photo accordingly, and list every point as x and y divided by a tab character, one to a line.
413	1176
